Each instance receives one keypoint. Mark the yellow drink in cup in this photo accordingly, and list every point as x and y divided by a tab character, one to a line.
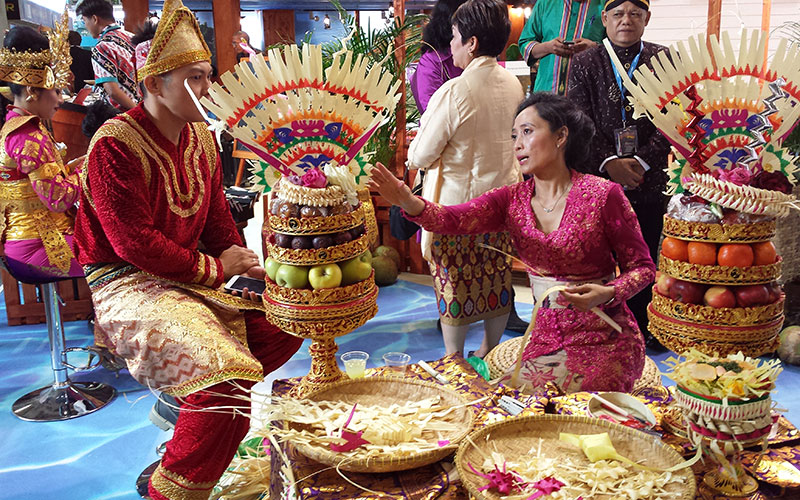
355	362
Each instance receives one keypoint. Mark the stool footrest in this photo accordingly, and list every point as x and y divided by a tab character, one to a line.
75	399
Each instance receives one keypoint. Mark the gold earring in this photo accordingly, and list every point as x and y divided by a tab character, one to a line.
30	98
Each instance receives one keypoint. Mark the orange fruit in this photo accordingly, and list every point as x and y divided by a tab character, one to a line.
675	249
765	253
735	254
703	253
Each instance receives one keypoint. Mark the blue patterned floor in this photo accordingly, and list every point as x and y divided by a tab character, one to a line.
99	456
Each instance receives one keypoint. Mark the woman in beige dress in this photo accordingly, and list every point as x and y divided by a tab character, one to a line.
464	145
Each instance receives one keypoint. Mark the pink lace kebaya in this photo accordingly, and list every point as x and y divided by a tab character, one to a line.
598	232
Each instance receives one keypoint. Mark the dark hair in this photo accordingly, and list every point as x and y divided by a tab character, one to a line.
486	20
96	114
439	31
558	111
21	39
99	8
74	38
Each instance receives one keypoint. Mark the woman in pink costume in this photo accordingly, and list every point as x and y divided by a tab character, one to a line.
573	229
37	191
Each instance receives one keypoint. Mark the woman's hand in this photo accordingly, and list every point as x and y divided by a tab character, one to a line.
588	295
394	190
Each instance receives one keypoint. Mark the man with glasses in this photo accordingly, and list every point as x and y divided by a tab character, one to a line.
631	152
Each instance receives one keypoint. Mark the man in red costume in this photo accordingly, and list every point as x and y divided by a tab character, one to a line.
152	190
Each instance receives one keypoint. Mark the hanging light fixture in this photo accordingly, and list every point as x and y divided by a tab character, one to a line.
326	22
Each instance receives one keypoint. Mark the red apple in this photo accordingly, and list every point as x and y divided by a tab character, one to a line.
719	296
774	290
751	295
664	283
687	292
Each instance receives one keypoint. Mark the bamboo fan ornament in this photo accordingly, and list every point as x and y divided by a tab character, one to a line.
296	115
726	113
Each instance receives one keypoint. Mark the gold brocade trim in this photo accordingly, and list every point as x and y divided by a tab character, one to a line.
201	267
214	378
173	63
317	256
717	316
21	224
18	190
720	275
719	233
317	225
55	245
207	143
48	171
370	221
176	487
139	142
213	271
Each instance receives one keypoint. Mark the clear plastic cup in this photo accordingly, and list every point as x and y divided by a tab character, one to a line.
397	361
355	362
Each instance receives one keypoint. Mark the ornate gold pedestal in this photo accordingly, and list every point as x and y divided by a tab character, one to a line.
321	315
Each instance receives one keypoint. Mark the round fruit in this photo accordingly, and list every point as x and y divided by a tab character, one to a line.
308	211
735	255
302	242
283	240
764	253
288	210
702	253
675	249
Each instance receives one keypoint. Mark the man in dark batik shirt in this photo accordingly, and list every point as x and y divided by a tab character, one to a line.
628	151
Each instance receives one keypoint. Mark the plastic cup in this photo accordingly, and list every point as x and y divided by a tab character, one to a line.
397	360
355	362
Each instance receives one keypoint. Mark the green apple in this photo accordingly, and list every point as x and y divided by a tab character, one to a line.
292	276
356	269
325	276
271	266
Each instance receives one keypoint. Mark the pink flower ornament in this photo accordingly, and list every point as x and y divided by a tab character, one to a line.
314	178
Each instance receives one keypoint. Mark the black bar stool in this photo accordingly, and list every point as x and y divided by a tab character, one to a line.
63	399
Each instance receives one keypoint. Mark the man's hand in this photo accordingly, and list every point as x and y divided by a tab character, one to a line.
238	260
588	295
257	272
625	171
582	44
555	46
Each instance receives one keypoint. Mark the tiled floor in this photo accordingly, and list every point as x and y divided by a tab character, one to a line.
99	456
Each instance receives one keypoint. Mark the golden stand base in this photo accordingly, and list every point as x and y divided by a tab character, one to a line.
324	370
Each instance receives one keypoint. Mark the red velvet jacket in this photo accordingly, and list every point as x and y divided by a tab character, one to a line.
147	202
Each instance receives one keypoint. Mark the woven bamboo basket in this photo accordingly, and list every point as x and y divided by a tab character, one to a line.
717	316
518	436
501	358
380	391
720	275
719	233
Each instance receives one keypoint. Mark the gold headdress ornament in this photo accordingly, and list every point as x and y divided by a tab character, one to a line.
178	42
47	69
726	114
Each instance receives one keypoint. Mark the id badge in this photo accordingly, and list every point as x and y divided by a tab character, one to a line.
627	141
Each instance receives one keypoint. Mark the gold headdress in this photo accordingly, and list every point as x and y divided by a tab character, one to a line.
726	114
178	42
47	69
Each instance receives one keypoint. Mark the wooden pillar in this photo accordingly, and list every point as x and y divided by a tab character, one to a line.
136	12
278	26
226	22
714	16
400	56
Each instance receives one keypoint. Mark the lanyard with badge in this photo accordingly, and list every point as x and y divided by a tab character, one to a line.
626	137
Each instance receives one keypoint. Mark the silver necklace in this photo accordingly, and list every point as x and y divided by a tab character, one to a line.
550	210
